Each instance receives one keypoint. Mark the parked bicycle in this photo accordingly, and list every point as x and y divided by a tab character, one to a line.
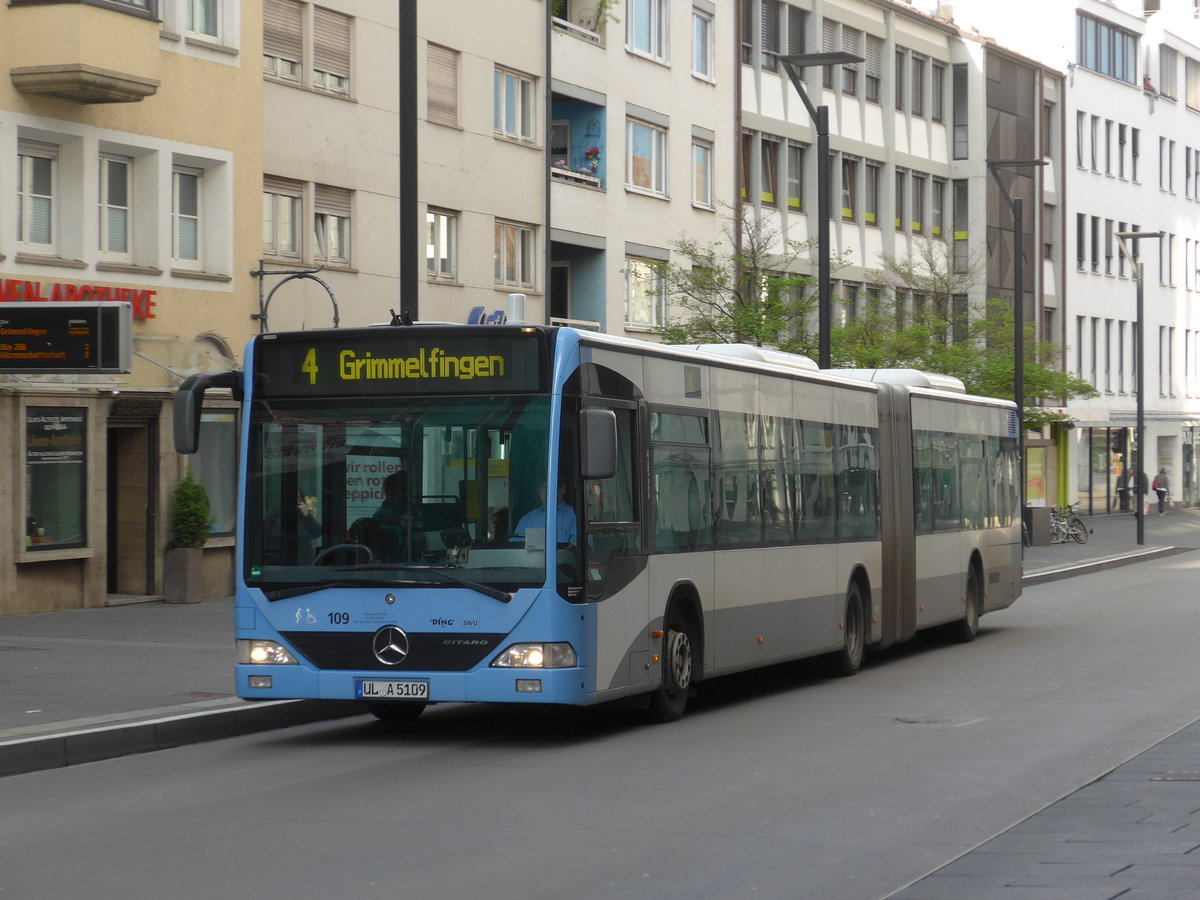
1065	524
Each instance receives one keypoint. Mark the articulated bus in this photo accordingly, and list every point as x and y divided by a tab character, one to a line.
530	514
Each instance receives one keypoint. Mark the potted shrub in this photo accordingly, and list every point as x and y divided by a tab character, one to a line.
191	524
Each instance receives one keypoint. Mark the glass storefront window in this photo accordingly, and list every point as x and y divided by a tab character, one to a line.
55	450
215	466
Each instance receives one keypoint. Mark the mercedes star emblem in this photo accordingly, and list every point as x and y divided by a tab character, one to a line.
390	645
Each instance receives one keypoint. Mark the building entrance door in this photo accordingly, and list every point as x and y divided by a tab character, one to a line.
132	513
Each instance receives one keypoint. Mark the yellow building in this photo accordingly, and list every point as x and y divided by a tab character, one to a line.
130	169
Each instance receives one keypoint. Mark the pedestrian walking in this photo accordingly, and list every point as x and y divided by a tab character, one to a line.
1162	486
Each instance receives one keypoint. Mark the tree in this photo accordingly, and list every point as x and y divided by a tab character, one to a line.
916	323
739	290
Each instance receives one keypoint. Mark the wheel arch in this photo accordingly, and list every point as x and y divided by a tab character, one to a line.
862	578
685	597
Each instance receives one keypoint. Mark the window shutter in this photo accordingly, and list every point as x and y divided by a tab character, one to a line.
283	29
273	184
1192	75
828	35
770	26
331	42
442	88
1168	64
874	56
795	27
333	201
1048	225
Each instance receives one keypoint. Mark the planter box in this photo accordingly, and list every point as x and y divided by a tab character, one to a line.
576	177
183	575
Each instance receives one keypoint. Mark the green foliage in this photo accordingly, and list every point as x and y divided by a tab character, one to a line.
191	516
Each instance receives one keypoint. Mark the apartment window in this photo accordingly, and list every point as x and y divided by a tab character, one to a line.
849	188
872	172
901	178
115	203
702	174
961	258
441	245
203	18
646	27
849	301
901	61
1121	256
1108	329
281	216
645	157
961	102
937	92
851	37
829	44
1094	380
1080	130
1168	66
1121	357
514	108
1105	48
1135	135
1095	143
1094	236
1080	321
515	263
37	206
795	176
1120	151
331	224
645	294
937	209
331	51
918	85
1049	223
702	45
1108	246
1191	71
185	217
441	95
874	67
768	169
1080	241
918	204
1048	128
283	39
1108	132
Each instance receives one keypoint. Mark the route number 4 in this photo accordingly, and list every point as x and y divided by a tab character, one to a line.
310	365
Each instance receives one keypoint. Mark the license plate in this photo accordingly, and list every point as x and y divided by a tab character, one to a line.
391	690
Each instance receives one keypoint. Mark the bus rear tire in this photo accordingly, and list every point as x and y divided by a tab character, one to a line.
669	699
848	660
395	711
964	630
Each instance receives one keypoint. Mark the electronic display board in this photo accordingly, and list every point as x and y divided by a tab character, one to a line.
400	360
66	338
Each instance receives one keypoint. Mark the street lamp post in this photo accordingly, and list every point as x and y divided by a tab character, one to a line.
1139	430
795	65
1017	207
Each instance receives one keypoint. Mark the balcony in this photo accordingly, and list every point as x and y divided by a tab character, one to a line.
65	50
577	140
585	177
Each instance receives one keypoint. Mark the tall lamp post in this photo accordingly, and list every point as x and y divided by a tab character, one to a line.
1017	207
795	65
1139	430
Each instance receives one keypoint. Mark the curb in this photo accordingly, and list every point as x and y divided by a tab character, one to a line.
1099	565
68	748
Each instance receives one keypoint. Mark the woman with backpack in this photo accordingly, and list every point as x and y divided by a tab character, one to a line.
1161	486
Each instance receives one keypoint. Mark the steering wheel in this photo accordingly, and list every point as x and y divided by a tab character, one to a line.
356	549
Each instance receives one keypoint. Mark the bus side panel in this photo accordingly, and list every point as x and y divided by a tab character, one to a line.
941	560
776	604
620	655
674	571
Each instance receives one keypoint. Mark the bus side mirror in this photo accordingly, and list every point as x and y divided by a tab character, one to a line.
599	444
189	401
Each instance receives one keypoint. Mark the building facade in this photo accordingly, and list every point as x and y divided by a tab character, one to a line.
135	177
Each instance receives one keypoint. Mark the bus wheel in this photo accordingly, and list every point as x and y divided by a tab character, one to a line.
395	711
848	660
669	699
964	630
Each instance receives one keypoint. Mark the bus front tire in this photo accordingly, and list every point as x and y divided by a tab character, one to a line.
848	660
669	699
395	711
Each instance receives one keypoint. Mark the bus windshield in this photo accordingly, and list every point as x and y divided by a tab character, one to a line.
396	491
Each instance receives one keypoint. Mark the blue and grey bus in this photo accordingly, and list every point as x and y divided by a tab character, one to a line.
532	514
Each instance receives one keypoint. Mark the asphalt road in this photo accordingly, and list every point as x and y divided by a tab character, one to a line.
782	784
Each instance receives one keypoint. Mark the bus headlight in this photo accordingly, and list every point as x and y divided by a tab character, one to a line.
264	653
537	656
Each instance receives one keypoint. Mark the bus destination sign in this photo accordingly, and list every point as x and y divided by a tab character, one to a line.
415	360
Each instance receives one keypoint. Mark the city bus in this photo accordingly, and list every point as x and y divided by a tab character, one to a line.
531	514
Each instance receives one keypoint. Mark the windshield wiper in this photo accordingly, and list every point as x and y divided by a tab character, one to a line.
486	590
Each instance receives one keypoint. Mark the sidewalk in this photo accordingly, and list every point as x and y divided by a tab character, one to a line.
84	685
